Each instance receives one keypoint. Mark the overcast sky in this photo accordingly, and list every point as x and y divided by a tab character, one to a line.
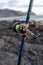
22	5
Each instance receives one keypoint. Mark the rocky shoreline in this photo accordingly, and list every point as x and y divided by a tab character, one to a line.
10	45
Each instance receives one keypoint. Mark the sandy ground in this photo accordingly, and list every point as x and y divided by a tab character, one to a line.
10	45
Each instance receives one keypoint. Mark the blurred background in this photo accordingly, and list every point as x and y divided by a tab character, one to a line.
12	11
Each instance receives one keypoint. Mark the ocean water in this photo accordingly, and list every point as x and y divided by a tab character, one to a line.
32	17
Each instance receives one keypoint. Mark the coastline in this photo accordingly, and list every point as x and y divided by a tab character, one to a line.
23	18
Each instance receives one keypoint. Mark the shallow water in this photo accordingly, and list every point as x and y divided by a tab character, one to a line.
33	17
